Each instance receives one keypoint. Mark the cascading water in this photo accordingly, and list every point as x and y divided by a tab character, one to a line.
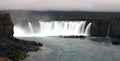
30	27
87	30
108	31
55	28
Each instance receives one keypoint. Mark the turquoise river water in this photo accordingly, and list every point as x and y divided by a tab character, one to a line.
68	49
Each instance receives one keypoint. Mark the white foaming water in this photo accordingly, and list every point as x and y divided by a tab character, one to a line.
87	30
108	32
55	28
30	26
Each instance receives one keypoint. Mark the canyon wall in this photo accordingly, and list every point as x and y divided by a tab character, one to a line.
6	26
100	27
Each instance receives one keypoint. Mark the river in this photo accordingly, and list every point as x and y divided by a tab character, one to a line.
69	49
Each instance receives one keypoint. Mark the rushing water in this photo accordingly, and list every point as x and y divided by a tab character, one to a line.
68	49
54	28
108	32
30	26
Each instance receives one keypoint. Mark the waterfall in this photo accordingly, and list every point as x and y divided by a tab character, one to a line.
59	28
30	27
18	31
83	27
108	31
87	30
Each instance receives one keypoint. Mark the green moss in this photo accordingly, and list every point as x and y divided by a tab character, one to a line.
22	55
16	49
34	48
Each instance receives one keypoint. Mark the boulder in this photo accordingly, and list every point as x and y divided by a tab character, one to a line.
116	42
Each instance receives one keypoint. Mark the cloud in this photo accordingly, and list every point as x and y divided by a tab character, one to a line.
67	5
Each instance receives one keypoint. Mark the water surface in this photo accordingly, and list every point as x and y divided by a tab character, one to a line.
68	49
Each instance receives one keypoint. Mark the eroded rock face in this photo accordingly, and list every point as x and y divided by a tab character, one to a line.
6	26
100	27
10	47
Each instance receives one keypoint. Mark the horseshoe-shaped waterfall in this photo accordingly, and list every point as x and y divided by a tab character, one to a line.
54	28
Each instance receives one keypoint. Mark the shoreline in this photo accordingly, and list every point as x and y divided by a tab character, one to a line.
16	49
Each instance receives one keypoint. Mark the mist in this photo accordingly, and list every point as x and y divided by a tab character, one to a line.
61	5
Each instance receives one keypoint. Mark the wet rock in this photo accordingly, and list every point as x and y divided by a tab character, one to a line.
6	26
73	36
81	36
11	47
116	42
99	27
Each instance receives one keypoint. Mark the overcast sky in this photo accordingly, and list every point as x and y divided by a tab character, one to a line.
67	5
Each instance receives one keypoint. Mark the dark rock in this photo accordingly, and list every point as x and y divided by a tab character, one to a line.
6	26
100	27
73	36
81	36
116	42
11	47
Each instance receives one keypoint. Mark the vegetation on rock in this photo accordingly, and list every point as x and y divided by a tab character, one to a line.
10	47
16	49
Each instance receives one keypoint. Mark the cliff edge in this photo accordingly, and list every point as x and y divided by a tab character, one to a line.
12	49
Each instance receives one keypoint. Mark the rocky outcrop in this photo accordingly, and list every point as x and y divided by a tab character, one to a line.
10	47
116	42
6	26
100	27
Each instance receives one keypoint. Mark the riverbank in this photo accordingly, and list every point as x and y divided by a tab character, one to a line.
12	49
16	49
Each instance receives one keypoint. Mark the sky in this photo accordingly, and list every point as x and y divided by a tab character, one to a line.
61	5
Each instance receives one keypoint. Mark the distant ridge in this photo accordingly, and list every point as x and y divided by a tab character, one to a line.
62	14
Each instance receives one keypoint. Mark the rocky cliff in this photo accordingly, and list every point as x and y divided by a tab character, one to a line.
6	26
100	27
12	49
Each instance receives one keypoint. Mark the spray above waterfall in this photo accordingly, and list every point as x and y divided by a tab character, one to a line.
54	28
